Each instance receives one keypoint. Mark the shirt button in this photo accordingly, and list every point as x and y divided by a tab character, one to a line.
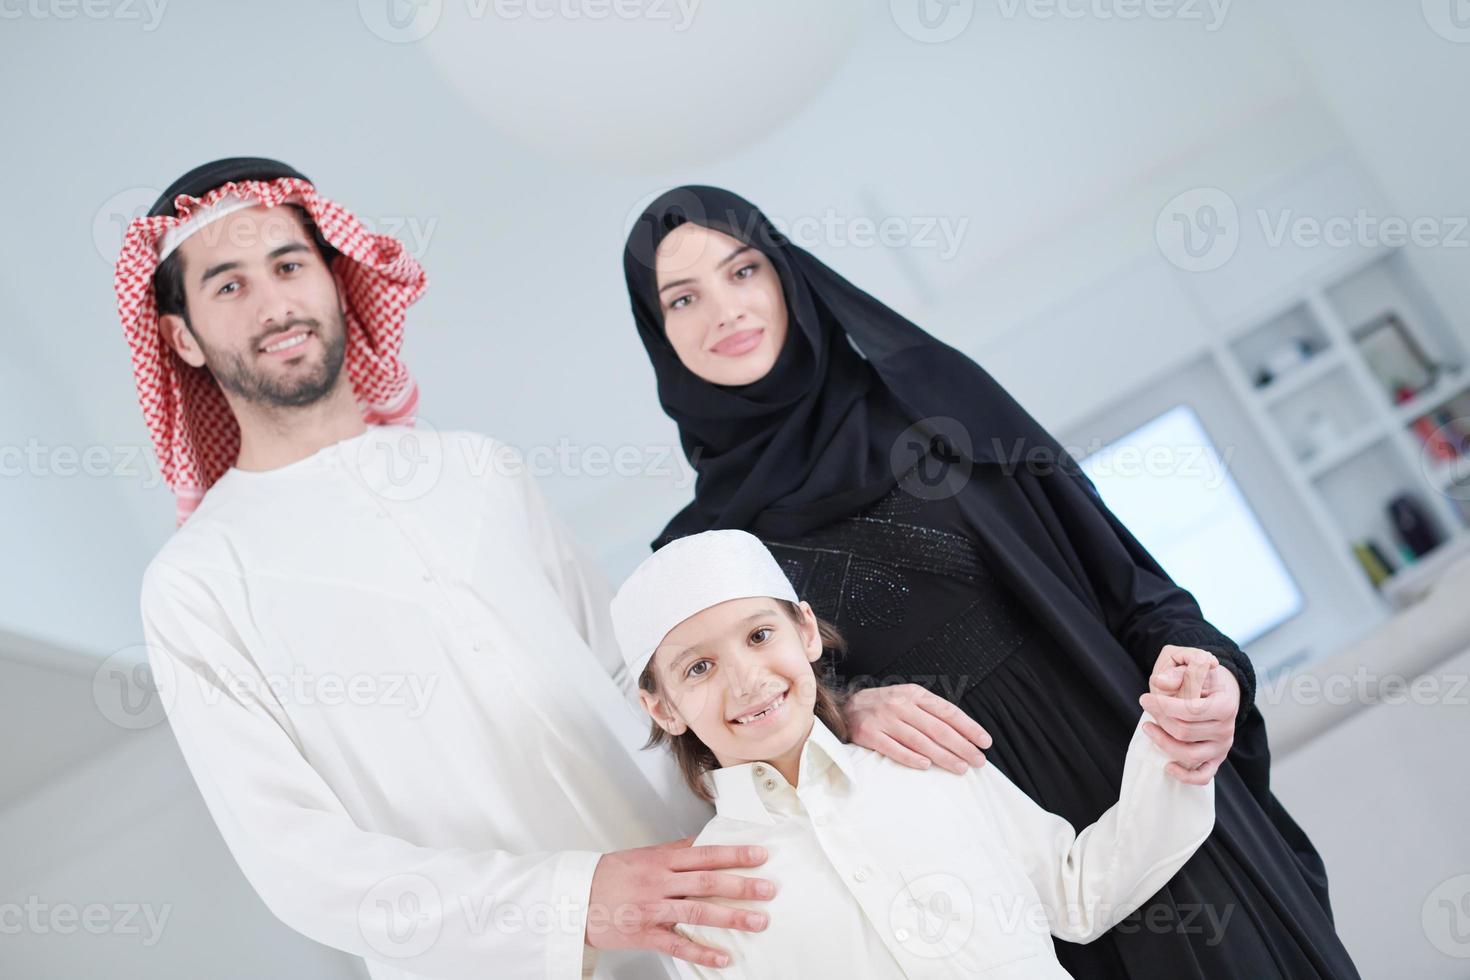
770	784
902	935
427	577
760	770
861	874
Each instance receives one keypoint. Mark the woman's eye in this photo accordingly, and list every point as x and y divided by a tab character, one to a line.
680	303
694	670
746	271
761	635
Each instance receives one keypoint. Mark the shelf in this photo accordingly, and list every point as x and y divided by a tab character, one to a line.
1345	450
1443	389
1412	580
1315	367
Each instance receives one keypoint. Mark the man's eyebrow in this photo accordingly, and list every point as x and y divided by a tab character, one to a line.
215	270
287	249
723	262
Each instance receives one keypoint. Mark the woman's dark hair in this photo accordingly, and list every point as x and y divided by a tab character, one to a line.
168	278
695	758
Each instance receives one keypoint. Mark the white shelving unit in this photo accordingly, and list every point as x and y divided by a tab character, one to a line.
1333	426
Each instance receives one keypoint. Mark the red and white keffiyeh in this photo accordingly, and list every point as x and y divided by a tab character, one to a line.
194	431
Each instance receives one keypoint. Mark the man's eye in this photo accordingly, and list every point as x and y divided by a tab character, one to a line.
228	287
760	635
290	266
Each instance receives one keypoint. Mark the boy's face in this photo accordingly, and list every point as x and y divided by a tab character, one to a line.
739	674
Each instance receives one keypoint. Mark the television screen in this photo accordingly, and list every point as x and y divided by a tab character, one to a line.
1167	483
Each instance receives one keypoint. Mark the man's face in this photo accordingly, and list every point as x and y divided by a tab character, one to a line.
266	317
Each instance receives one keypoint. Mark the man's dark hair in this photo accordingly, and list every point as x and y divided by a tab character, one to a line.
168	278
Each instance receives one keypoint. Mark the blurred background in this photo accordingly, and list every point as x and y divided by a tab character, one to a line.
1219	248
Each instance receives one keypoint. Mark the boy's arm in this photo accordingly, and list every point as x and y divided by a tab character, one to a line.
1089	882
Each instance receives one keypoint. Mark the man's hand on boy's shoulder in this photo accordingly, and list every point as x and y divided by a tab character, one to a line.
638	897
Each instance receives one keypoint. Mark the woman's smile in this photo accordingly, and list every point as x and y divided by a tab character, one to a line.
739	343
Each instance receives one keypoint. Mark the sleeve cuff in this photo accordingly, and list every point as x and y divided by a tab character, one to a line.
568	957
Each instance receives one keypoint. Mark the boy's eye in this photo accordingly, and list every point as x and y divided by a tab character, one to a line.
761	635
694	670
290	266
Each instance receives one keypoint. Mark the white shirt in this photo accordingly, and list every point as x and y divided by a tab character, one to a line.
388	669
888	872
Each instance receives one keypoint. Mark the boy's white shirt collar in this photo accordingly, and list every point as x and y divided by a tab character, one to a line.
737	789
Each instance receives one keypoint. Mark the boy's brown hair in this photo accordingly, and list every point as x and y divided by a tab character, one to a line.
694	757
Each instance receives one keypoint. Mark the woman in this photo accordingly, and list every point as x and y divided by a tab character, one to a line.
920	509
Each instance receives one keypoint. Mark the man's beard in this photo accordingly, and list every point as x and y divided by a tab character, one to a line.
236	374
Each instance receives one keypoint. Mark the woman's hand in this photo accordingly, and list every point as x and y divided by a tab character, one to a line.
1196	720
914	727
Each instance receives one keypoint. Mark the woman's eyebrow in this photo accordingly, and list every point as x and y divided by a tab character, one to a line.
723	262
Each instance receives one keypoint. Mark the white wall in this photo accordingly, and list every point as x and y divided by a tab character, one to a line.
1054	144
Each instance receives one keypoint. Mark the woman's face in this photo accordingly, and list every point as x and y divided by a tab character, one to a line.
722	305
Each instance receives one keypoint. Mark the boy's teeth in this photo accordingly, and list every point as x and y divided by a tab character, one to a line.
764	711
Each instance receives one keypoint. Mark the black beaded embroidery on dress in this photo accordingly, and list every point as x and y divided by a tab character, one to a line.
910	591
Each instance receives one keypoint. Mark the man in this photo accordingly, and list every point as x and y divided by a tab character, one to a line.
387	665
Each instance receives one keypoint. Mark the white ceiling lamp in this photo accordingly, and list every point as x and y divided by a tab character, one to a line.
638	85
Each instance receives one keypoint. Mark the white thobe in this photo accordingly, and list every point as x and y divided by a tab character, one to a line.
890	873
393	676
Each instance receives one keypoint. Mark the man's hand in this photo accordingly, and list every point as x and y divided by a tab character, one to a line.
639	895
914	728
1194	700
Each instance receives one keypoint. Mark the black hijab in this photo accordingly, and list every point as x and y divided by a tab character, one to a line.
858	395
